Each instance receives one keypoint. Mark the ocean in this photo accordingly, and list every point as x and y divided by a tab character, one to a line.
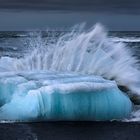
14	43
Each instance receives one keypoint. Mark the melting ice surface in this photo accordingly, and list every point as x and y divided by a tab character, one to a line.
73	78
60	96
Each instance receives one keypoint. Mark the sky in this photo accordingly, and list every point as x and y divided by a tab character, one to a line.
122	15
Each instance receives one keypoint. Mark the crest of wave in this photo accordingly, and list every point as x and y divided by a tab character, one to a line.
90	52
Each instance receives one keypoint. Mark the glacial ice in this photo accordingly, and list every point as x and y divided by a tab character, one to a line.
60	96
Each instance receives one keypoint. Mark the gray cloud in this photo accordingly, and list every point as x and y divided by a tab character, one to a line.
27	20
122	6
39	14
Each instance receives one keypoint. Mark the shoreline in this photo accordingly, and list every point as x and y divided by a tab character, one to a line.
70	131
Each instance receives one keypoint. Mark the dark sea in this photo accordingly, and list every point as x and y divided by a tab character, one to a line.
15	43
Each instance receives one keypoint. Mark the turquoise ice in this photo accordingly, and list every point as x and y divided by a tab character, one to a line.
61	96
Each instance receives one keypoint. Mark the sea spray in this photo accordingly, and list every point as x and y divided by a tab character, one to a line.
55	71
80	51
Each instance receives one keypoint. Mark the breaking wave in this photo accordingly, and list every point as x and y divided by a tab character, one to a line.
90	53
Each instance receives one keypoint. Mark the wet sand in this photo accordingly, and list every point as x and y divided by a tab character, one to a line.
70	131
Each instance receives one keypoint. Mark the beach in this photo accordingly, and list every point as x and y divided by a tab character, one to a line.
70	131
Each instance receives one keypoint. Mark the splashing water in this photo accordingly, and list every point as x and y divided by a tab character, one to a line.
78	52
90	52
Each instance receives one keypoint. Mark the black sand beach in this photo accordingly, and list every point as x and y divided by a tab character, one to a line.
70	131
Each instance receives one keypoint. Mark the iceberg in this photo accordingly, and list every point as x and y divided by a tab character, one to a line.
51	96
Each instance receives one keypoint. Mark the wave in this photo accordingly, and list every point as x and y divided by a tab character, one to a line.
126	40
90	52
63	63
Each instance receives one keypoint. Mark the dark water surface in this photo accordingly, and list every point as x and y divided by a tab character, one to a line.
15	43
70	131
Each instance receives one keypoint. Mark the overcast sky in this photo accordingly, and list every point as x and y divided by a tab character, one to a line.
40	14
